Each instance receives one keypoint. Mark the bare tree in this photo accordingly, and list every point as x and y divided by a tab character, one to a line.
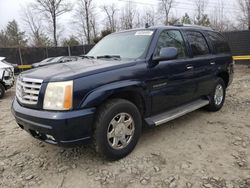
127	16
86	18
93	25
218	19
149	17
244	6
35	26
110	11
200	17
165	6
200	9
53	9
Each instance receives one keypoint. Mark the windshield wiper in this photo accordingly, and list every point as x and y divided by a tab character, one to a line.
116	57
87	57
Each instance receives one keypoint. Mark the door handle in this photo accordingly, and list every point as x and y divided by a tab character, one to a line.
212	63
189	67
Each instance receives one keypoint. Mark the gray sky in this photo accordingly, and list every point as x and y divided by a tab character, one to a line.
12	9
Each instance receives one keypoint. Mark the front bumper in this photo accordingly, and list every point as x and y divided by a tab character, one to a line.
60	128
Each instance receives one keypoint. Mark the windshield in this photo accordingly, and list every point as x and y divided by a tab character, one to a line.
126	45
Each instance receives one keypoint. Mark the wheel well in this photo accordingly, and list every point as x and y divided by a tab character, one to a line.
225	77
133	97
2	83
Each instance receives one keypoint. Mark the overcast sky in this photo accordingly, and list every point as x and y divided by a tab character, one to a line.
12	9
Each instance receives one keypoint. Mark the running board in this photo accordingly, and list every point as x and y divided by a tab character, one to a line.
176	112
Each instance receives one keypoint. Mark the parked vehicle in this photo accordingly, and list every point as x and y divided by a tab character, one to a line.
129	79
54	60
6	76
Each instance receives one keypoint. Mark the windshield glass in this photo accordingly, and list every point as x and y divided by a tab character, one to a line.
126	45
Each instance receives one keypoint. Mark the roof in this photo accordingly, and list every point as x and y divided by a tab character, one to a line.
182	26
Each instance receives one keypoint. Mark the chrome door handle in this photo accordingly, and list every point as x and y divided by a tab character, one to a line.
190	67
212	63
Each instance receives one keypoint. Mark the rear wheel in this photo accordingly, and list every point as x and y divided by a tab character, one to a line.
2	91
217	98
117	128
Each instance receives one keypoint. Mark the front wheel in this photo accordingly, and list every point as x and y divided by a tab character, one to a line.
117	128
217	97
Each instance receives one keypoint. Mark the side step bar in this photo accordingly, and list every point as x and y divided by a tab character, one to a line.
176	112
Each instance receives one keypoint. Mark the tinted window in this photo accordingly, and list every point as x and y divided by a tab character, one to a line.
170	38
219	43
198	43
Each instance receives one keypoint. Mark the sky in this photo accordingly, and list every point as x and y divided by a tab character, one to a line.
12	9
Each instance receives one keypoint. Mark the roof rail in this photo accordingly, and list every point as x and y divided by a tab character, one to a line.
193	26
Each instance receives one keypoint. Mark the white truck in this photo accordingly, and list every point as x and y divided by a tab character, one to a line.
6	76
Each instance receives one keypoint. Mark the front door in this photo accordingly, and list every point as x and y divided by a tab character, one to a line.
171	82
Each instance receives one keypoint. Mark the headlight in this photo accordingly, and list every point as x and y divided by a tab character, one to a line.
58	96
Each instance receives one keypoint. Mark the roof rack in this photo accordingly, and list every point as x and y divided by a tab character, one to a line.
193	26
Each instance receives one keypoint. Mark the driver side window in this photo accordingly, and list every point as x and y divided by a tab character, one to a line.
171	38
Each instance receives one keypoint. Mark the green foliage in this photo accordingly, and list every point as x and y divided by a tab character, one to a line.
40	40
72	41
104	33
186	19
203	20
12	36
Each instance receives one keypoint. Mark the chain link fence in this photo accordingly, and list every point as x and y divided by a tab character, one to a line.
27	56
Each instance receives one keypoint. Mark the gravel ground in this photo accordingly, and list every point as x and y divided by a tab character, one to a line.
201	149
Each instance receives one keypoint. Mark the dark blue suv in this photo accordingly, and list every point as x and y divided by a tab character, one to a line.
130	79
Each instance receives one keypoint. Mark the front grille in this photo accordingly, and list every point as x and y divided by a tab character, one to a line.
27	90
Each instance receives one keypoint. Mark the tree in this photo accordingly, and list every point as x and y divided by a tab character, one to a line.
86	19
218	20
165	6
186	19
127	16
201	18
71	41
3	39
244	6
12	36
103	34
110	11
149	17
52	9
38	37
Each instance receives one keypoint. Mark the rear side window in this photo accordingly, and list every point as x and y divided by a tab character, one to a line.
198	43
219	43
171	38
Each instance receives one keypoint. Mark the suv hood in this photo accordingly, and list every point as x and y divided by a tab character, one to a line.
73	70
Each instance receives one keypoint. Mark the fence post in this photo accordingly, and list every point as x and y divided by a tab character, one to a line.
47	53
20	56
69	52
84	51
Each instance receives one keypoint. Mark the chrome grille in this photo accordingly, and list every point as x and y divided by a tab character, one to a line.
27	90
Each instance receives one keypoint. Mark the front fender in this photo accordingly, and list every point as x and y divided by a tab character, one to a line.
100	94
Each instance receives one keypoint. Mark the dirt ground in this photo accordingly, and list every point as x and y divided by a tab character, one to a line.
201	149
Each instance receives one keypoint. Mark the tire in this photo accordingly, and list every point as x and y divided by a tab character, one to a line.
216	97
2	91
115	119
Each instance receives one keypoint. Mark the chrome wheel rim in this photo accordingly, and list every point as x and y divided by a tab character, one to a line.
120	131
219	94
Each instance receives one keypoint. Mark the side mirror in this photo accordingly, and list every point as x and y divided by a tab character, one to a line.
168	53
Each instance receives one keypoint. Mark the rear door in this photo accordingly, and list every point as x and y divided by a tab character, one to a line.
202	60
221	51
